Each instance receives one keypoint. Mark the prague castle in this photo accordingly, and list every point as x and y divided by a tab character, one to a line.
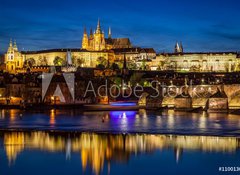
93	47
97	41
96	46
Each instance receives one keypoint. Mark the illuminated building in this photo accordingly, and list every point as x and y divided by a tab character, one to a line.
136	57
178	48
95	46
42	59
13	58
197	61
97	41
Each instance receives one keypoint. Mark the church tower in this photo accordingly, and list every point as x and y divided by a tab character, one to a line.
99	39
15	46
10	52
178	48
13	58
91	40
85	39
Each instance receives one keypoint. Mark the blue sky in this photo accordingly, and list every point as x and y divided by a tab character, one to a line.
211	25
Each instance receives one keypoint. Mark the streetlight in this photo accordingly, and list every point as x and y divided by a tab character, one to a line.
53	98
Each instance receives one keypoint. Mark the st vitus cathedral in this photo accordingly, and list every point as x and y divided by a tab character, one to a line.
96	41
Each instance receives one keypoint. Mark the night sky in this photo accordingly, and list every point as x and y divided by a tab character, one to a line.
206	25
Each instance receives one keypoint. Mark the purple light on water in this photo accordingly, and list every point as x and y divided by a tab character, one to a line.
122	114
123	104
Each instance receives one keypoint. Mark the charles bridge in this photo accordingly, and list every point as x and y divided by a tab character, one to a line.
201	93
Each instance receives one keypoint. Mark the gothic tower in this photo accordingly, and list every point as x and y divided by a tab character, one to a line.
85	40
91	40
99	39
178	48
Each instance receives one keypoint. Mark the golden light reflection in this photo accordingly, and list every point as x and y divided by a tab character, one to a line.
52	117
12	115
14	145
144	118
171	119
96	149
143	113
202	121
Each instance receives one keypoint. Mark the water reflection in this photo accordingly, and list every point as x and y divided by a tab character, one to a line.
99	149
142	121
14	144
52	117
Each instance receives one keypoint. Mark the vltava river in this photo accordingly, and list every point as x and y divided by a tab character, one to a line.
117	142
167	122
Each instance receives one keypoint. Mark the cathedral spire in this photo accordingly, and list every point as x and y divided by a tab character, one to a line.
91	32
109	33
98	23
85	30
15	45
177	48
98	27
85	33
10	43
85	39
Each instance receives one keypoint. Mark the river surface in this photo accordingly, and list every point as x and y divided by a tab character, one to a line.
118	142
167	122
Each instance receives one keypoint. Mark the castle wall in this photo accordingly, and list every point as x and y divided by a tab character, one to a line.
89	57
49	57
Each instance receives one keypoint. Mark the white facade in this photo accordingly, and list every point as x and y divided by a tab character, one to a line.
202	62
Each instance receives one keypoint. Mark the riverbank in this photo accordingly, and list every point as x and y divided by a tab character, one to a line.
84	107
